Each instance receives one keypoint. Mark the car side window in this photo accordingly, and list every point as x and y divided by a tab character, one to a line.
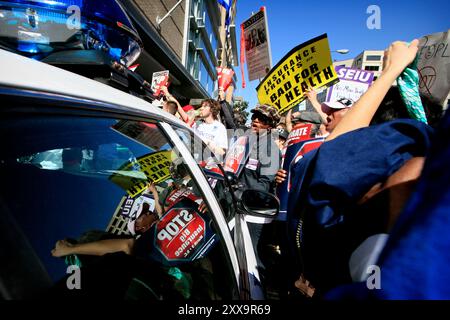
211	167
87	179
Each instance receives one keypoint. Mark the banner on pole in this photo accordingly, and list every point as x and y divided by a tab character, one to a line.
257	45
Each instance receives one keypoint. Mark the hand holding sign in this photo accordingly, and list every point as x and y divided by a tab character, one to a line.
224	77
311	94
159	80
399	55
280	176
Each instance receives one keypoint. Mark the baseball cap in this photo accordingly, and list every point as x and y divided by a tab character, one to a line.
143	208
342	103
268	111
308	116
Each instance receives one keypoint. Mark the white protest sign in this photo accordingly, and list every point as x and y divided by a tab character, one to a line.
352	84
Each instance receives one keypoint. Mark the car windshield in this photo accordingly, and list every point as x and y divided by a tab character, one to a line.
211	167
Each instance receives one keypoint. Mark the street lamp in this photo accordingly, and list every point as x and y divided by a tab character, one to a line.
341	51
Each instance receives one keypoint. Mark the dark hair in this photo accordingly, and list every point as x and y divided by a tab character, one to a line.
239	118
314	130
178	171
392	107
145	208
172	107
214	105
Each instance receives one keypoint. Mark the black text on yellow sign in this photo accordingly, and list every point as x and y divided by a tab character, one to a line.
154	166
306	66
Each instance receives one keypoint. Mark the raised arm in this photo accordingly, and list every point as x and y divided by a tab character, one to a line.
311	94
96	248
396	58
226	110
289	121
184	116
151	188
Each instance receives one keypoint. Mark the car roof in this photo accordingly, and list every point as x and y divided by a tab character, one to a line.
25	73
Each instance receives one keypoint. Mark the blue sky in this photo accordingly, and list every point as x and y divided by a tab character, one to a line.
292	22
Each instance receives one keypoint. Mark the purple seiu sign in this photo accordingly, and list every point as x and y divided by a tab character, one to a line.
352	84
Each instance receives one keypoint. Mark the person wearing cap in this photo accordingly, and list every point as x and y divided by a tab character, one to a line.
316	132
331	112
264	156
261	165
326	199
335	111
308	117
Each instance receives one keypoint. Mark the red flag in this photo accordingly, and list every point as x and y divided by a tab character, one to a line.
242	55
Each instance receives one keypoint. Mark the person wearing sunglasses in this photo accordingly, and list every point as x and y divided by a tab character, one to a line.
261	166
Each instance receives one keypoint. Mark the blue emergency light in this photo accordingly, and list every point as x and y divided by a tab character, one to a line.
40	27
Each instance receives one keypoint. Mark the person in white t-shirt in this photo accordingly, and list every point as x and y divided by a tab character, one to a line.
213	132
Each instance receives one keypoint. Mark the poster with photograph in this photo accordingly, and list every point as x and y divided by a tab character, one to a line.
159	79
257	45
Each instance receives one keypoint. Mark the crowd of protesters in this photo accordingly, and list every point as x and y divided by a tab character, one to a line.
347	196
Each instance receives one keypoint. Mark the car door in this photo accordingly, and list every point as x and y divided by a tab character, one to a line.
224	195
79	170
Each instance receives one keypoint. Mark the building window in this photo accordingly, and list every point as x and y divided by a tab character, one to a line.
373	58
203	45
372	68
205	78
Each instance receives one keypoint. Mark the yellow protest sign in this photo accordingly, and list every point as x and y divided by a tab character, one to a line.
133	177
308	65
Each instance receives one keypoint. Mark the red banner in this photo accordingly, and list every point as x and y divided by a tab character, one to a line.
242	55
224	77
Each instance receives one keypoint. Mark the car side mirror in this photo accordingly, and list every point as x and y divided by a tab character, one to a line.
260	203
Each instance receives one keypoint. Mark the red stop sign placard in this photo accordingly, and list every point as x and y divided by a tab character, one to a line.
180	233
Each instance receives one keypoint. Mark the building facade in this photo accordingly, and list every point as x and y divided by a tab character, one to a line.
370	60
188	38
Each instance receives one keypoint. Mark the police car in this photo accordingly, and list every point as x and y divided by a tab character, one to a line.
77	156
